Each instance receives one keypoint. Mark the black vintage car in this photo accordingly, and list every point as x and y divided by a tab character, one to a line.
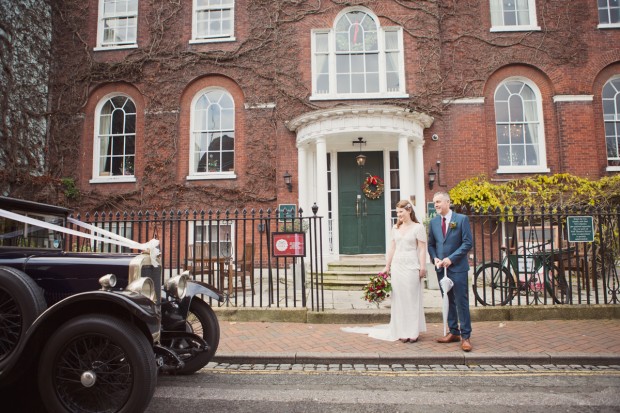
94	329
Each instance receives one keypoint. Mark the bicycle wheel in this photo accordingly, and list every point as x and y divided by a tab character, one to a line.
557	286
493	284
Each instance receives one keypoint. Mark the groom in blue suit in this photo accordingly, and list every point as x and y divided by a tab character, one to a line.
449	241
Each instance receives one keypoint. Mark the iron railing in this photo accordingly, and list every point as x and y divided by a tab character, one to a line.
231	250
528	256
520	256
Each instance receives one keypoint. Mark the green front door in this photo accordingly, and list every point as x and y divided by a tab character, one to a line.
361	220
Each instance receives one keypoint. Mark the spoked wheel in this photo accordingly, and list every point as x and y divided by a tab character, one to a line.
532	288
202	321
493	284
557	286
97	363
606	270
21	302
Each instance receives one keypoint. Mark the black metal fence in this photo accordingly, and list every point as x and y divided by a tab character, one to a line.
520	256
530	256
255	258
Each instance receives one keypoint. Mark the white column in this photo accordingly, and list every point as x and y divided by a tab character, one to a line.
406	180
420	181
321	189
302	178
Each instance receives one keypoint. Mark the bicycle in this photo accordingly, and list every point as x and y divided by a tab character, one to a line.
531	270
606	266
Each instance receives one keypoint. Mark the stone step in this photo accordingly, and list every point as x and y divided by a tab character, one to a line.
333	277
352	272
355	268
347	287
345	281
367	257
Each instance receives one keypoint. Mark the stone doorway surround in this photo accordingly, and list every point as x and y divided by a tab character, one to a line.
385	128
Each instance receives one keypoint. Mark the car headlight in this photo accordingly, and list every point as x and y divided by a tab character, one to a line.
107	282
176	286
143	286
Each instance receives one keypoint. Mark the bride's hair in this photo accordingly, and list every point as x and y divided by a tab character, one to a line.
406	204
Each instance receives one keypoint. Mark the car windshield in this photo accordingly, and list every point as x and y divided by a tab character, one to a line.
19	234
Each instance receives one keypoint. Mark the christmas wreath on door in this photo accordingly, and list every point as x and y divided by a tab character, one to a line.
373	187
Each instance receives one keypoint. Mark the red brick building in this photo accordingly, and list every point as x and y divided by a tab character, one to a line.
217	104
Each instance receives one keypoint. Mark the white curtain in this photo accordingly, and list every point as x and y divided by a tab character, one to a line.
530	113
497	18
523	13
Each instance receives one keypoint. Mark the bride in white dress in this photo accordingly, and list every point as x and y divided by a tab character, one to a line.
407	250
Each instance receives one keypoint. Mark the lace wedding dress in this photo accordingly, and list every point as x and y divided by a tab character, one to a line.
407	308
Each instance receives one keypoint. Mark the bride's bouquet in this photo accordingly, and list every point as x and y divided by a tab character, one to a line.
378	288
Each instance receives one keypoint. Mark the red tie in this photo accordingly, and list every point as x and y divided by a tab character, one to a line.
443	226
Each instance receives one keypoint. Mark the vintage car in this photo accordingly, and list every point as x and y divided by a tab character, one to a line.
93	329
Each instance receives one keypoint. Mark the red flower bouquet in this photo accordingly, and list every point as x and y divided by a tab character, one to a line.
378	288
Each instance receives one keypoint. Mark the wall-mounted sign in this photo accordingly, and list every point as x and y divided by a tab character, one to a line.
580	229
287	211
288	244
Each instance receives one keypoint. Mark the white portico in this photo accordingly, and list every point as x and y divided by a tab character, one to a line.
329	176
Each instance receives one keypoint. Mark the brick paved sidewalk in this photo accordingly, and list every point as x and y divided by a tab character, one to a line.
500	342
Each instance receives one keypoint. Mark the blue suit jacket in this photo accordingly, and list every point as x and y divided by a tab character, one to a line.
455	245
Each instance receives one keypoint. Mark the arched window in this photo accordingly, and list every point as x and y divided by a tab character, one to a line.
213	133
519	126
357	59
611	115
357	54
115	146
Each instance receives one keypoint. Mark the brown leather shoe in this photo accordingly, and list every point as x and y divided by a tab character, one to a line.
466	344
449	338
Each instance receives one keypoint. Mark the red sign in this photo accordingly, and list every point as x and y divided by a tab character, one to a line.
289	244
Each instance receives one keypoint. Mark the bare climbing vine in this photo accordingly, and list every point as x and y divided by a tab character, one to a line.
449	55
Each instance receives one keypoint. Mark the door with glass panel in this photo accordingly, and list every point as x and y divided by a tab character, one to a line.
361	219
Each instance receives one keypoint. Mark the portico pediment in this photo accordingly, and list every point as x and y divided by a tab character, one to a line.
382	120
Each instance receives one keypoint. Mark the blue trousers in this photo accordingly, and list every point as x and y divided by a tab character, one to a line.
458	297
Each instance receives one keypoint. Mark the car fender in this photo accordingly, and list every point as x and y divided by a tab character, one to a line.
194	288
126	305
198	287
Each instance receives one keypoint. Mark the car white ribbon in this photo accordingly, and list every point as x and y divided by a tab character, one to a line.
97	234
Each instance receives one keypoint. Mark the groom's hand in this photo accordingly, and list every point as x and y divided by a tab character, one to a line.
438	263
446	262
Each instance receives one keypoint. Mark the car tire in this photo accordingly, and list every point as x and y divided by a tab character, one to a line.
97	363
21	302
202	321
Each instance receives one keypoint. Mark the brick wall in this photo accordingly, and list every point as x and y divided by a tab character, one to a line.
450	53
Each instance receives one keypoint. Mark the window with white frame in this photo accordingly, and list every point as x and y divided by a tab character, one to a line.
214	238
609	13
611	115
513	15
115	145
519	127
213	20
357	59
118	23
213	133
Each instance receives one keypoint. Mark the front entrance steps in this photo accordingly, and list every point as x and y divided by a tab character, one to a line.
352	272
